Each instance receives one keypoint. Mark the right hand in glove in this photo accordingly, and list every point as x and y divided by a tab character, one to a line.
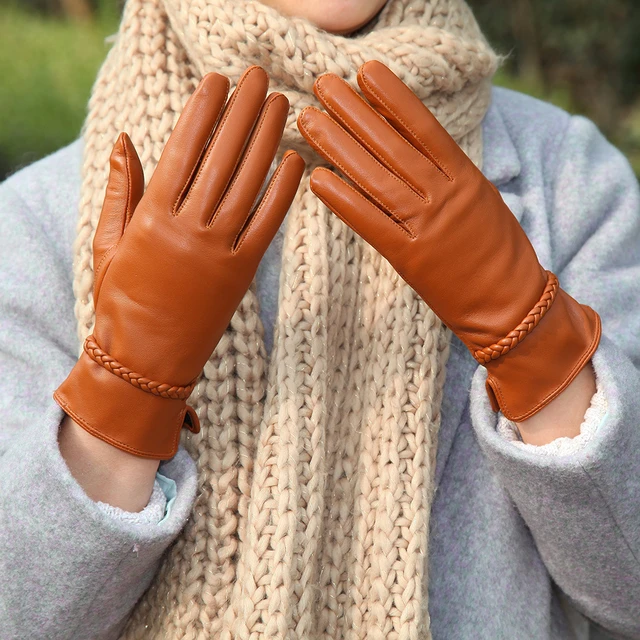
172	265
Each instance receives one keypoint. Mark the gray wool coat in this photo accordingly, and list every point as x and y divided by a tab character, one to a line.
524	545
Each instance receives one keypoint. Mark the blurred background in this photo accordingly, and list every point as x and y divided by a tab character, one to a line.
583	55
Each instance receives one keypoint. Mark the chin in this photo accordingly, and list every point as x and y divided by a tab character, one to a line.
342	17
342	27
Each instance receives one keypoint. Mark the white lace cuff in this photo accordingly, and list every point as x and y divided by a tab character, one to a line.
593	417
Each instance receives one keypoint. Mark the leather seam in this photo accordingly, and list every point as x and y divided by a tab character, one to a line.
411	237
102	436
200	162
236	247
435	160
126	216
96	271
126	212
216	136
236	177
425	196
556	392
318	147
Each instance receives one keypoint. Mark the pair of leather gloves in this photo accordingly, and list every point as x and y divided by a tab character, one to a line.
173	262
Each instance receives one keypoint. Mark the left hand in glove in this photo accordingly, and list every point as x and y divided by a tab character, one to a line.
420	201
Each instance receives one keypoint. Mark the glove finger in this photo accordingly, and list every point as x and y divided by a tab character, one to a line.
187	143
124	191
225	149
382	186
404	110
259	229
373	132
238	201
388	236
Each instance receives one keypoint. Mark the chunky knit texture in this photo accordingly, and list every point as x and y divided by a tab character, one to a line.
315	467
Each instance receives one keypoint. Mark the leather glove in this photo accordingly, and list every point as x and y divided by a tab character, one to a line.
172	265
419	200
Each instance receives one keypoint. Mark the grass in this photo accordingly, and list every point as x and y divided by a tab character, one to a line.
48	69
49	65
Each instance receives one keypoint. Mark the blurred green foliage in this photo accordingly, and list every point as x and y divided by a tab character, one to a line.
48	66
582	55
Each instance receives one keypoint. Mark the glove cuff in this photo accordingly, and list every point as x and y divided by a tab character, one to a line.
111	408
540	367
93	350
528	324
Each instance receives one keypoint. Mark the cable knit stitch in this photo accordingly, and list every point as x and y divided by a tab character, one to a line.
315	467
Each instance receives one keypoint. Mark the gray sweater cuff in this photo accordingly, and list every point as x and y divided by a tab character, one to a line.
153	513
70	570
583	509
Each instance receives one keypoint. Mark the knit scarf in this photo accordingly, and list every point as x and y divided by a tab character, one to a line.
315	465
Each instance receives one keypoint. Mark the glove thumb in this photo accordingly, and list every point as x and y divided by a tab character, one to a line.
124	191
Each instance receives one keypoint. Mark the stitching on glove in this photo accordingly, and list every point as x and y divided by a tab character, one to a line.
244	231
393	219
237	176
96	271
313	142
360	139
161	389
530	322
431	156
106	438
558	390
209	144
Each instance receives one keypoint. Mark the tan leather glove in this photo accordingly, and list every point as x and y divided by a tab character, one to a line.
418	199
172	265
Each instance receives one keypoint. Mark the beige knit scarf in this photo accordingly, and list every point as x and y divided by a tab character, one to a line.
315	466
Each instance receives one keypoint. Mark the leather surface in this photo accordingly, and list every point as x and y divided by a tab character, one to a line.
172	265
413	194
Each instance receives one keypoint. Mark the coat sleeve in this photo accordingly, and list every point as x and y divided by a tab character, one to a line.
69	569
583	506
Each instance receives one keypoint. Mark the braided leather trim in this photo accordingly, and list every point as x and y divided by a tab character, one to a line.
161	389
530	322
